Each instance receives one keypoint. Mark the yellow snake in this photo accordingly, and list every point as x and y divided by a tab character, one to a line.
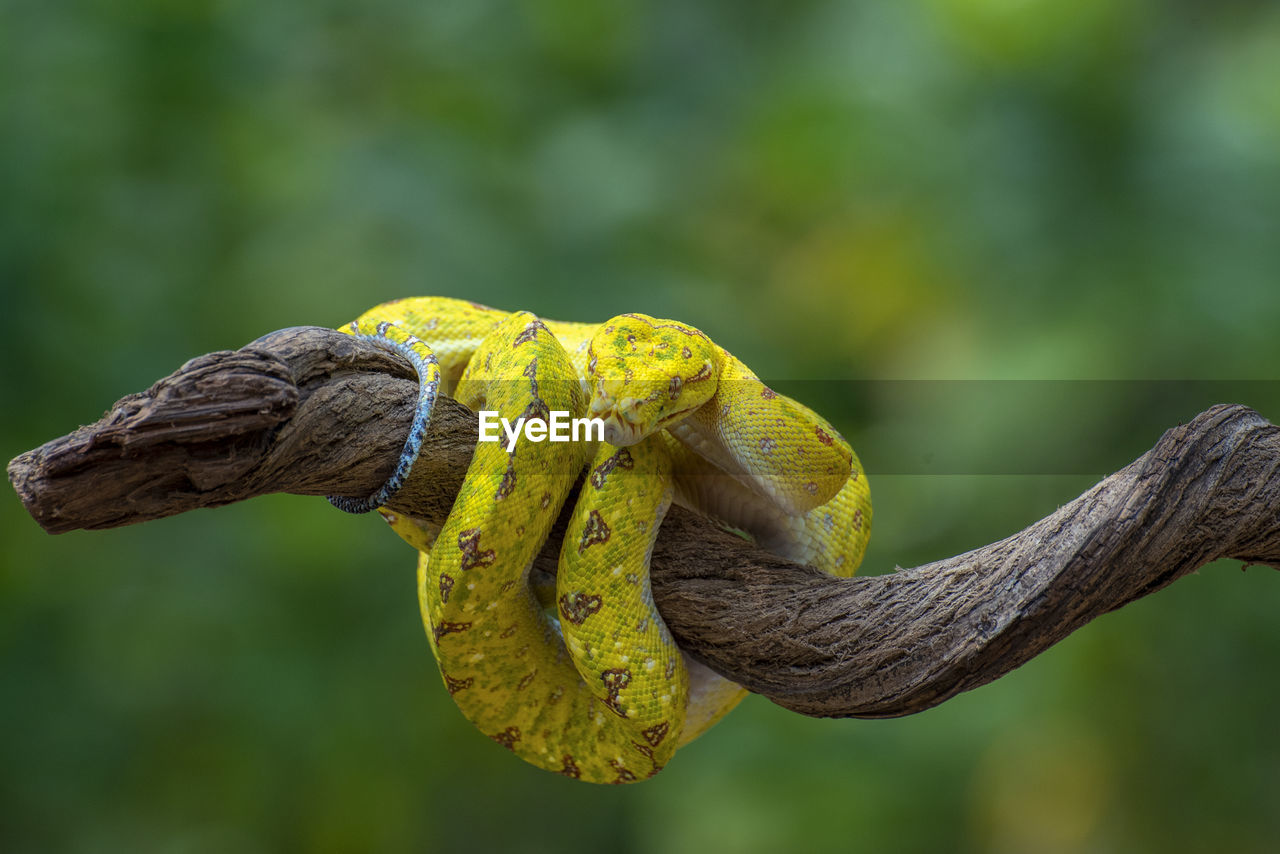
587	681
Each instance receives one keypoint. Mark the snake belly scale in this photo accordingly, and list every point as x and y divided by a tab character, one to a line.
588	682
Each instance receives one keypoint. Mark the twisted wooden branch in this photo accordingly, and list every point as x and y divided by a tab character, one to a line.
313	412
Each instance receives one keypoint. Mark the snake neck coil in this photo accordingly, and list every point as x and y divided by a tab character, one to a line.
391	337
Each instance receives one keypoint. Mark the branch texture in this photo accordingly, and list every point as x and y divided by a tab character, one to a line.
315	412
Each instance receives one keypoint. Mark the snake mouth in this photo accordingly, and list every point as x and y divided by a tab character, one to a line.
619	432
619	417
623	424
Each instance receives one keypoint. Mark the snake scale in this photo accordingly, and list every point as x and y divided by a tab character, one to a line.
586	680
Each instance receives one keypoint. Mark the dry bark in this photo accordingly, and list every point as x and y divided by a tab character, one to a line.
315	412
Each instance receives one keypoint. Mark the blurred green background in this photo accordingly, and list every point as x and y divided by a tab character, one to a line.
857	192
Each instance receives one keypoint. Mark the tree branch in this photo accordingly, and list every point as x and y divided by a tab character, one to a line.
315	412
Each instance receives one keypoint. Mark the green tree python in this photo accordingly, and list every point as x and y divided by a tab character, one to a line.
585	680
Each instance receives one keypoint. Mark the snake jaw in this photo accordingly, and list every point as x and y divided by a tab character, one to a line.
620	427
621	416
618	434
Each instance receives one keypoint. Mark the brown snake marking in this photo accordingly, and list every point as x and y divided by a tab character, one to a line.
596	531
656	733
508	737
576	607
447	628
682	329
453	686
615	680
622	459
624	776
703	374
508	484
469	545
530	333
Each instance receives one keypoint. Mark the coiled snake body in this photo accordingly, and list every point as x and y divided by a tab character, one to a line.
587	681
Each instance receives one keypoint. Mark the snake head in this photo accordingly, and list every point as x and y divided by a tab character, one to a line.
646	374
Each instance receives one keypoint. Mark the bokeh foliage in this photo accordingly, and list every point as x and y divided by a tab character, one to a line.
867	194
